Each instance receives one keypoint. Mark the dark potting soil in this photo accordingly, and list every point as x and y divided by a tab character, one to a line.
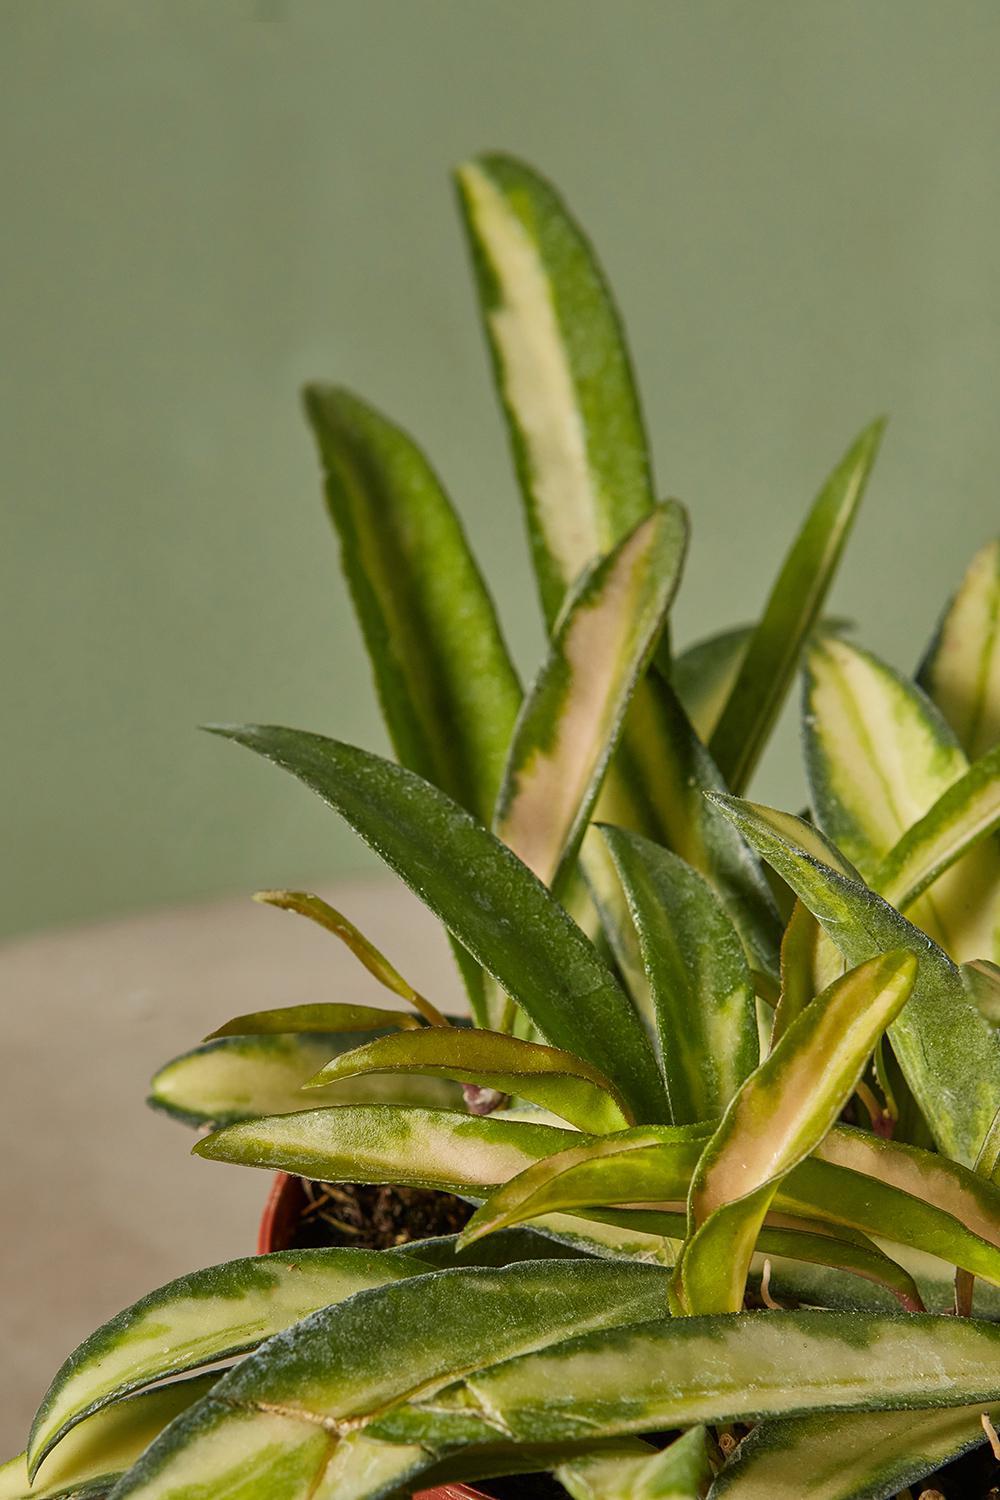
375	1218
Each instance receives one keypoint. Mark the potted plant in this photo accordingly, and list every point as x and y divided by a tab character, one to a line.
720	1149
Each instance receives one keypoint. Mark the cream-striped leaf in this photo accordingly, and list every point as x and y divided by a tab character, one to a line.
562	370
242	1077
879	757
849	1456
93	1456
961	672
572	716
779	1116
948	1052
444	677
199	1319
329	1376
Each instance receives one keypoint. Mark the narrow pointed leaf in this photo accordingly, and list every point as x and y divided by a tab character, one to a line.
703	675
481	892
558	1081
849	1456
678	1472
329	1018
879	757
786	1240
572	716
444	677
948	1052
982	983
419	1147
700	983
349	1361
961	672
562	370
792	609
198	1319
241	1077
657	788
853	1181
779	1116
680	1371
94	1455
324	915
963	815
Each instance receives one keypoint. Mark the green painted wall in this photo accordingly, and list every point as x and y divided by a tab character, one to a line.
207	201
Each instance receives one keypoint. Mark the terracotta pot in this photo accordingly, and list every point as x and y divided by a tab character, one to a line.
281	1213
277	1226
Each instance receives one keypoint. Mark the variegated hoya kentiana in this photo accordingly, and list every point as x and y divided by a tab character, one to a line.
728	1109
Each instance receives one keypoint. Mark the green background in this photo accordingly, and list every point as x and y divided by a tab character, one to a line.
205	202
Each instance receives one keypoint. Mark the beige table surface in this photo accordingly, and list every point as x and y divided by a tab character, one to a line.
101	1199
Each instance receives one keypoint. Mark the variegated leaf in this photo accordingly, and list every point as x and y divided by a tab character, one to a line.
327	1377
572	717
849	1456
780	1115
444	677
948	1052
558	1081
879	757
562	370
482	892
961	672
199	1319
431	1148
680	1371
792	609
703	998
853	1181
90	1460
241	1077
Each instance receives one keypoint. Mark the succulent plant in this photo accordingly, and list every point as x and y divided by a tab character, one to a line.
730	1111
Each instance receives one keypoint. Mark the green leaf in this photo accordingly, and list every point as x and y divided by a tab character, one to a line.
572	716
199	1319
444	677
792	610
324	915
657	788
849	1456
432	1148
352	1360
784	1241
558	1081
562	370
679	1371
240	1077
879	757
483	894
982	982
329	1018
781	1114
853	1181
93	1456
703	675
961	672
678	1472
948	1053
702	993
